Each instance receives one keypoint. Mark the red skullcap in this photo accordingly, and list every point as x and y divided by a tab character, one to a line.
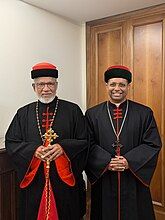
44	69
118	72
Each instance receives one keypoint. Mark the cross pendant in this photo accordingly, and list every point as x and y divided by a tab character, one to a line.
117	144
50	135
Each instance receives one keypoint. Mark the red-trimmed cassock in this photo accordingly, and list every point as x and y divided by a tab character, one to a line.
141	144
68	186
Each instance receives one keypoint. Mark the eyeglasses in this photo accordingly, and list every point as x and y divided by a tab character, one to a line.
121	85
41	85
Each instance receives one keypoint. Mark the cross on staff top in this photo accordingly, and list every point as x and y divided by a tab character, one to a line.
50	135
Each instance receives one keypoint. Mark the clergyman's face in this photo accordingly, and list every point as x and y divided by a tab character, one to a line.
45	88
117	89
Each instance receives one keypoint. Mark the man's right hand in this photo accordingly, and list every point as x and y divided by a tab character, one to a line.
48	153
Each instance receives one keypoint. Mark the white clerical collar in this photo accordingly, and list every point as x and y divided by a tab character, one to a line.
118	104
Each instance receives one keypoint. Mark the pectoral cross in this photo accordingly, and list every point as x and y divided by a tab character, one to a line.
117	146
49	136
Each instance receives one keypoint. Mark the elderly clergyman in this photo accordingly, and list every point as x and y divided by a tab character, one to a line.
46	141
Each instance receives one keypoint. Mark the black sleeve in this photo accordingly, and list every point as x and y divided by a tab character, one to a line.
98	158
76	147
20	151
142	159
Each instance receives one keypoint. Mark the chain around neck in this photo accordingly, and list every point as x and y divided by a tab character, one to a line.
110	118
38	122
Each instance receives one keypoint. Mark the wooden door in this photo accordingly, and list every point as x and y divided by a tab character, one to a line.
136	40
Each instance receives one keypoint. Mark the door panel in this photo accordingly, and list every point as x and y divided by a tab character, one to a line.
148	83
109	53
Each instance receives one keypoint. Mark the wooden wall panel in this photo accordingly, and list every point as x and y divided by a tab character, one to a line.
8	189
108	52
147	61
148	79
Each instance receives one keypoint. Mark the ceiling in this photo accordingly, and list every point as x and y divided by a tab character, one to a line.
80	11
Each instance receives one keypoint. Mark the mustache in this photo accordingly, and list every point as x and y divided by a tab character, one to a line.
46	100
116	92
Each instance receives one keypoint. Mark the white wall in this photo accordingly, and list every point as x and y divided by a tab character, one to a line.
29	35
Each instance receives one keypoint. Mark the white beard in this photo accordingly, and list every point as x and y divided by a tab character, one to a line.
47	100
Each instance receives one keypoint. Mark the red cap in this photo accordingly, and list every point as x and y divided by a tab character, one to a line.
118	71
44	69
119	67
43	65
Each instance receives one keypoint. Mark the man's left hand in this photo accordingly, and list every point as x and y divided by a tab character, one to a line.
52	152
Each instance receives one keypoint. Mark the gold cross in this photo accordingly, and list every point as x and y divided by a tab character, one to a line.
50	135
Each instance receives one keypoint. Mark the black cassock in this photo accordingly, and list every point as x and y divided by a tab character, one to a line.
141	145
23	138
